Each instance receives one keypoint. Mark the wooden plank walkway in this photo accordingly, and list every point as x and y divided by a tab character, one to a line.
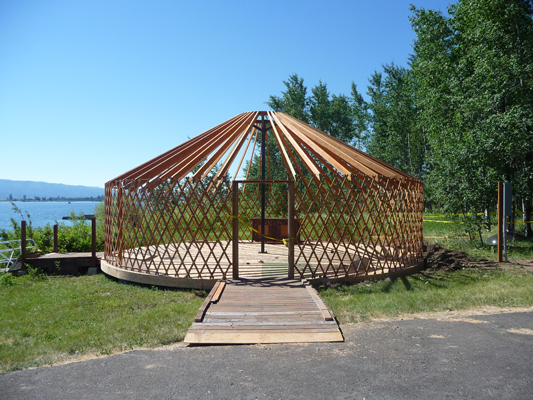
248	311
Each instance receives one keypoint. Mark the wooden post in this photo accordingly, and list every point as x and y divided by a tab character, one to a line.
23	242
120	235
56	246
500	221
263	172
93	237
108	201
290	216
235	220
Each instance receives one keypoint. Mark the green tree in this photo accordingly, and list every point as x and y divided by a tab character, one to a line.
333	114
294	101
396	138
361	119
474	74
320	104
341	119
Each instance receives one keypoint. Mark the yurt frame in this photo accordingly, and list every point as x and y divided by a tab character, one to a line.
182	220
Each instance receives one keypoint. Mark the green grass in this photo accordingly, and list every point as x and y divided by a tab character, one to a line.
45	320
454	237
442	290
429	292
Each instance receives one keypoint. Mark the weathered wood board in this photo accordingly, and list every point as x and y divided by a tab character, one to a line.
251	311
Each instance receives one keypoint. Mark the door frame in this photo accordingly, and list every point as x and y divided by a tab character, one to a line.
235	224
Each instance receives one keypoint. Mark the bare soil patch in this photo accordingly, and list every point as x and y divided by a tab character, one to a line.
442	259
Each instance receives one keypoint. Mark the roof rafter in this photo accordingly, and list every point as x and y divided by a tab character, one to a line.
305	152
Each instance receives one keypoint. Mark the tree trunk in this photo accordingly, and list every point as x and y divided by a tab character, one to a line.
526	208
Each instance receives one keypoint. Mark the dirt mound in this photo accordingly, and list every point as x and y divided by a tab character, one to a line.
442	259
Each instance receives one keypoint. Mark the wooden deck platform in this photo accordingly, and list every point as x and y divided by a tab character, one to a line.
212	260
249	311
65	263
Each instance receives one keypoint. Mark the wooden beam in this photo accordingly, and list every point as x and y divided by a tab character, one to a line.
218	293
324	141
201	312
303	156
150	167
292	158
251	159
231	156
244	153
357	153
235	226
349	153
318	300
321	172
223	139
285	157
292	233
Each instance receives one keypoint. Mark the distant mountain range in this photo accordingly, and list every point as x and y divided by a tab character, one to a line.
30	189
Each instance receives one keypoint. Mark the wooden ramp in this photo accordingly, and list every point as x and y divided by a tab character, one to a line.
248	311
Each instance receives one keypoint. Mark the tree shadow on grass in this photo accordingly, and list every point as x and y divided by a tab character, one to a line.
387	286
406	283
391	282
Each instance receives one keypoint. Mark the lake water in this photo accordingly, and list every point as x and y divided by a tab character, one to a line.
43	213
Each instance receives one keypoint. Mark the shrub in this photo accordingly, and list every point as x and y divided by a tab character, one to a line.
75	238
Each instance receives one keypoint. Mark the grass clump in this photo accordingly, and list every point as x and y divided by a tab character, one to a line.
429	292
45	320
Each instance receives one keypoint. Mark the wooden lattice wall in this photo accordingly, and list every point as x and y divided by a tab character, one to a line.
357	226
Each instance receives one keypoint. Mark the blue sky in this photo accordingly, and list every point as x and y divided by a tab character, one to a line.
91	89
